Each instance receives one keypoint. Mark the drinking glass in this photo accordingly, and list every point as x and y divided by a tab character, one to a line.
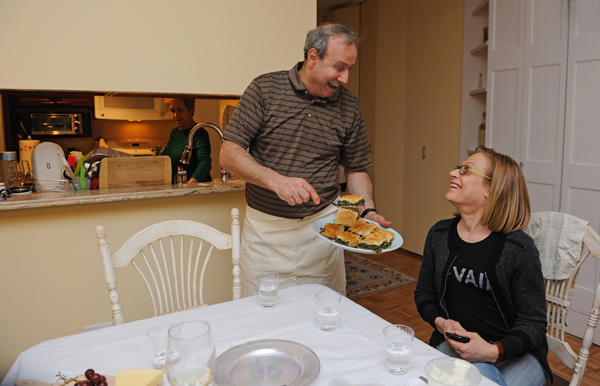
328	309
157	336
24	171
197	361
398	347
268	289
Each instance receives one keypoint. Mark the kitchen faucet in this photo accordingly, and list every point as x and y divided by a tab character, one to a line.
187	152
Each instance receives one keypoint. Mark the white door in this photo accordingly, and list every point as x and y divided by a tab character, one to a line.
581	165
505	76
544	90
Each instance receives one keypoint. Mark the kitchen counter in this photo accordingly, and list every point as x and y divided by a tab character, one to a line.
53	199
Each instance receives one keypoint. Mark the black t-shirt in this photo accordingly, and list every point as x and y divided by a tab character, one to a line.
468	296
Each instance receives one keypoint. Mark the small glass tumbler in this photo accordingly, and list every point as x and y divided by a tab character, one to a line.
158	337
268	289
398	348
328	309
197	360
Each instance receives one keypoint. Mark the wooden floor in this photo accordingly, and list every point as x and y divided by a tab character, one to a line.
397	306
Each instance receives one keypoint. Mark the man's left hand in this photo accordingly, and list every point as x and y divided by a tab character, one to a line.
379	219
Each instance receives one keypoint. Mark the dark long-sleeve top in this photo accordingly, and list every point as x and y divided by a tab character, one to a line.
514	273
200	162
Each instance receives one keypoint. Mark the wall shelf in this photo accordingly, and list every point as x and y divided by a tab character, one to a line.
475	60
483	7
477	91
483	47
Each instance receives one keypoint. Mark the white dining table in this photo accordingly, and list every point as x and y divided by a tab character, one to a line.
354	352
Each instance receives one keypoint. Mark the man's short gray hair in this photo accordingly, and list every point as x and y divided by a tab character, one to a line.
319	37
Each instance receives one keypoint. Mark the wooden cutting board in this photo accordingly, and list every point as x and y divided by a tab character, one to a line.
127	172
110	381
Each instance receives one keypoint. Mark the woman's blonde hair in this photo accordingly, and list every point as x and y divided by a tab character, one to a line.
507	208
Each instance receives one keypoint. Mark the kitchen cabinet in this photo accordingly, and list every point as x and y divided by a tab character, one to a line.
431	115
53	99
544	84
131	108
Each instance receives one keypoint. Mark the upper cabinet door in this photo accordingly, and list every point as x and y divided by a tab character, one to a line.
149	46
544	89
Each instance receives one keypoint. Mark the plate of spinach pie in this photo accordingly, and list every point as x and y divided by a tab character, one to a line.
360	235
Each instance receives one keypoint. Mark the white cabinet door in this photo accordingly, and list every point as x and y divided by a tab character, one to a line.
544	88
505	76
581	165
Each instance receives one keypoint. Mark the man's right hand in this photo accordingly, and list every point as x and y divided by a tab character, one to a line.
294	190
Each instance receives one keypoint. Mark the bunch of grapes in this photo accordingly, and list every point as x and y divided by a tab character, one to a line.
92	379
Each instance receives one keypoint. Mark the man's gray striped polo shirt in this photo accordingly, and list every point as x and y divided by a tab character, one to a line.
297	135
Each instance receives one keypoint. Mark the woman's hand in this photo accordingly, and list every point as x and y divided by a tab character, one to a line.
448	325
477	350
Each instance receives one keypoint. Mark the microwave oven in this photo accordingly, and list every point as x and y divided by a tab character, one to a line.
131	108
52	121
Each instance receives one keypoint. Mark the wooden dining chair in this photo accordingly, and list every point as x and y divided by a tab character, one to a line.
559	294
167	256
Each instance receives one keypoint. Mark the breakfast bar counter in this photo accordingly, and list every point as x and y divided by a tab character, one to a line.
52	199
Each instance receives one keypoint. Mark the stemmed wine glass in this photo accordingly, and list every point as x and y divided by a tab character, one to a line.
196	363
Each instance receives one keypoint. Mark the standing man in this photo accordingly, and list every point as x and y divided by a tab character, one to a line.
299	126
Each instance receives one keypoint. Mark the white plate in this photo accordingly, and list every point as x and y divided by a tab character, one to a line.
267	362
397	243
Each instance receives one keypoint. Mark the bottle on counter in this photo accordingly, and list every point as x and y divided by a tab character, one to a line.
8	168
481	139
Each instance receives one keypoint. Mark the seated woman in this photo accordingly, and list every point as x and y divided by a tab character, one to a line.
198	169
481	276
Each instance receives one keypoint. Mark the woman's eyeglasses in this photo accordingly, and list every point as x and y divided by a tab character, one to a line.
464	169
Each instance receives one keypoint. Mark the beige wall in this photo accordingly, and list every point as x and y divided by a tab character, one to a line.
52	282
180	46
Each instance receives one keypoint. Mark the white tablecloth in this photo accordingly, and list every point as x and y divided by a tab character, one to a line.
354	351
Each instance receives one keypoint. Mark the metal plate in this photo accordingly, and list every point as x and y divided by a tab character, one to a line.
267	362
397	243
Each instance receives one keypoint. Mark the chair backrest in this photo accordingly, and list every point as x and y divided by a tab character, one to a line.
559	293
167	256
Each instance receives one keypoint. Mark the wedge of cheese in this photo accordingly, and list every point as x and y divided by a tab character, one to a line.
138	377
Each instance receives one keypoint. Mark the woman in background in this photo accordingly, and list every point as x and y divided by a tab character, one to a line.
198	169
481	277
